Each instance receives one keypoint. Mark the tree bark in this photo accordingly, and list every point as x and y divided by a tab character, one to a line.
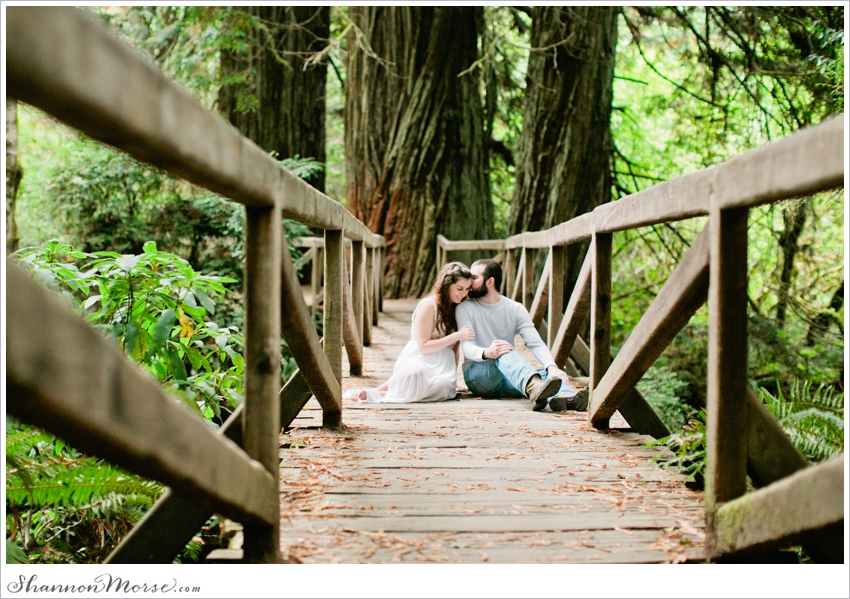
416	163
14	173
276	101
563	161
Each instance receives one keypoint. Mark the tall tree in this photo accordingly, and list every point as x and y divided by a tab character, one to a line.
14	173
273	89
414	134
563	162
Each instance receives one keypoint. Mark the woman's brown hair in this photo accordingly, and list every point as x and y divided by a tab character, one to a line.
450	274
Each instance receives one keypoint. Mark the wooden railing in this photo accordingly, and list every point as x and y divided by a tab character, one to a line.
64	376
793	503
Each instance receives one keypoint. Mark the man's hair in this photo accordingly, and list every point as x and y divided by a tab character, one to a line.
491	269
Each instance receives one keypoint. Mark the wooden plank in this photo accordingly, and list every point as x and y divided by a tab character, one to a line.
172	521
574	230
491	524
300	334
726	428
575	314
541	296
785	512
67	63
261	419
471	245
771	455
635	409
334	280
600	312
101	403
350	333
556	292
681	296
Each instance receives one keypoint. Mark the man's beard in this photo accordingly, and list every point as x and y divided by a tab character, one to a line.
476	293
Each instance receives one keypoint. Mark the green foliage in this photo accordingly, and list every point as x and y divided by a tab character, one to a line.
160	311
63	506
688	448
661	389
813	419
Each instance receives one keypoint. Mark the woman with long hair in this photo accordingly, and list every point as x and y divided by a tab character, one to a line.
426	369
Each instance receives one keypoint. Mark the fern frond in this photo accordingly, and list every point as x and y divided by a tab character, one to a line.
77	487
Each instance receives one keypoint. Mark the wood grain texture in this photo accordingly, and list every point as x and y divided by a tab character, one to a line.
333	339
475	481
600	312
727	422
556	293
540	303
576	313
677	301
785	512
261	418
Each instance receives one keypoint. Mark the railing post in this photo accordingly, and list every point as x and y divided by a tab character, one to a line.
315	282
261	424
380	285
370	308
727	425
600	310
527	277
507	273
556	293
358	285
334	280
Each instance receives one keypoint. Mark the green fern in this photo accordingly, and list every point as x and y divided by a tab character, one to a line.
688	447
813	419
77	486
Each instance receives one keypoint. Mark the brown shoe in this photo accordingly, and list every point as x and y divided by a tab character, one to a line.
540	391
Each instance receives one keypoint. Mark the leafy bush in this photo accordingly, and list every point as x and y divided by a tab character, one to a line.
813	419
661	387
157	307
63	506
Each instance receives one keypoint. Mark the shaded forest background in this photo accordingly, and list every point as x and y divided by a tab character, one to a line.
473	123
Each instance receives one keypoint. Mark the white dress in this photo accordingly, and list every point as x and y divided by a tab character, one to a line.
418	377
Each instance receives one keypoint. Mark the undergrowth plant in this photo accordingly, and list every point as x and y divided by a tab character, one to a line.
813	418
64	506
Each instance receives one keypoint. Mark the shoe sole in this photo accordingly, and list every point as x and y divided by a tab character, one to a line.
577	402
552	386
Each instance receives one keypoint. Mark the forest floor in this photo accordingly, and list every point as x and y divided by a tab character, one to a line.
475	481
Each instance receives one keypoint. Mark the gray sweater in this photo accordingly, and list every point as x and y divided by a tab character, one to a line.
503	320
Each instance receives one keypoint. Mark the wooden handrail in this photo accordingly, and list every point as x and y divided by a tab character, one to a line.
102	403
65	62
742	436
68	64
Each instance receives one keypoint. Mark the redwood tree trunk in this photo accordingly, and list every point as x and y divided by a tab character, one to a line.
14	173
414	135
274	100
565	147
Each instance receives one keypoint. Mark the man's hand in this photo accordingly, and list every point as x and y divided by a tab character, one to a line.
497	348
555	371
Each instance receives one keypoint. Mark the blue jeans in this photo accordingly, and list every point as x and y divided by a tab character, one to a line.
506	376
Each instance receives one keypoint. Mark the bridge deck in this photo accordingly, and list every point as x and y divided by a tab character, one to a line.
475	481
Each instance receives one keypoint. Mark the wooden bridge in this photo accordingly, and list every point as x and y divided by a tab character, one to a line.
471	480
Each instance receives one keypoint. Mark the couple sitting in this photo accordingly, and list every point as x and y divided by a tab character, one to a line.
483	326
